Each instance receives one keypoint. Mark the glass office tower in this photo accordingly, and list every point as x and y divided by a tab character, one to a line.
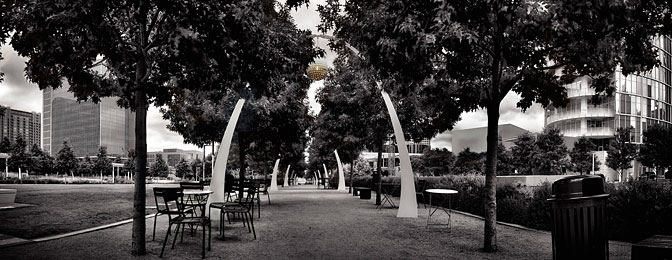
639	101
85	125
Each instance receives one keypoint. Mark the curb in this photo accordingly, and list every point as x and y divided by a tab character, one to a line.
620	243
13	241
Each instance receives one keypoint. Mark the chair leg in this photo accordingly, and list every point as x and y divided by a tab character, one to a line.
177	233
154	229
252	224
209	234
203	241
269	198
258	207
247	220
164	242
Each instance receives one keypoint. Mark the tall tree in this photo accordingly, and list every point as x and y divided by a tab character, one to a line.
159	168
146	52
582	156
102	163
129	165
522	153
504	159
5	145
551	153
621	151
86	167
481	50
42	162
437	162
18	156
66	162
656	150
182	169
469	162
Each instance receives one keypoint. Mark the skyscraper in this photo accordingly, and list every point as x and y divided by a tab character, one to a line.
639	101
14	123
86	125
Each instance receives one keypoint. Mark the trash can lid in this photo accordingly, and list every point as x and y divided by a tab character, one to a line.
578	186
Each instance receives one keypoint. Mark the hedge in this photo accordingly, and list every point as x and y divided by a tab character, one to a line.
636	210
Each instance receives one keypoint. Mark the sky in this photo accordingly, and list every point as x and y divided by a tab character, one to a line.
17	92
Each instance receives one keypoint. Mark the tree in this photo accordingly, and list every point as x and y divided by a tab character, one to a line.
147	52
655	151
469	162
66	162
551	153
196	167
159	168
18	157
129	165
504	160
621	151
500	46
5	145
86	167
582	156
434	162
102	163
522	153
42	162
182	169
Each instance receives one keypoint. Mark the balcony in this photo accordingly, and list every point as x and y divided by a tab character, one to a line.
576	114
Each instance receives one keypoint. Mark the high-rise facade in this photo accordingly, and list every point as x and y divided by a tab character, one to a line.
639	101
85	125
15	123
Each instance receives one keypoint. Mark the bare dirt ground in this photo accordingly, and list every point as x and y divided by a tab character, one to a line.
306	223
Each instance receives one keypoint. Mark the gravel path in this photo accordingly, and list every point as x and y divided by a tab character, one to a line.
307	223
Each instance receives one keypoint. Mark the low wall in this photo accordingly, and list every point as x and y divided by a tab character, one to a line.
528	180
7	195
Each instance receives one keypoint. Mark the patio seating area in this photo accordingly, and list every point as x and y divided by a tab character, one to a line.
306	223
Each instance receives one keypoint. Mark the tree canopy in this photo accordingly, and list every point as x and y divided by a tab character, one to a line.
582	156
470	54
656	149
551	153
523	151
621	151
66	162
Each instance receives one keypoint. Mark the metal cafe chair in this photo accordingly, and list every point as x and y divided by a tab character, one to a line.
173	199
243	207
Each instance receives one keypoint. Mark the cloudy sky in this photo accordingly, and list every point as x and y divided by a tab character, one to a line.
18	93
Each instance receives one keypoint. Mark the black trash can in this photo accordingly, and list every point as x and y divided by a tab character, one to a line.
579	214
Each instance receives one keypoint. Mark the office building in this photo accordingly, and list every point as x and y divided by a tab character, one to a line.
86	125
173	156
14	123
639	101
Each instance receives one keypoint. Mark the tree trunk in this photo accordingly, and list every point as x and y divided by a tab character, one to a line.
378	178
352	168
241	154
490	229
138	244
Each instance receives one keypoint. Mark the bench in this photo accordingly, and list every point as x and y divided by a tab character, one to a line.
364	192
654	248
7	195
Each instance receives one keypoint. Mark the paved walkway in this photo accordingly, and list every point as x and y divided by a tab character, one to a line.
306	223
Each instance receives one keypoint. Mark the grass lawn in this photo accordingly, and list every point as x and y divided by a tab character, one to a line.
61	208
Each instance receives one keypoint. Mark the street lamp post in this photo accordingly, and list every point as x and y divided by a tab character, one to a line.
408	204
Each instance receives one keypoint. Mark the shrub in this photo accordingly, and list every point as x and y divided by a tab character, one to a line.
539	210
639	209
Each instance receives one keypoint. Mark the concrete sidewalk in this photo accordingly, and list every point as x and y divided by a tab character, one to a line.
308	223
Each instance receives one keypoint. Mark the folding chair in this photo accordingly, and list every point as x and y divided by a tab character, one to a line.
243	207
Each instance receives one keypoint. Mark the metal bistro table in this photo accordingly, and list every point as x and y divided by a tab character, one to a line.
447	195
197	199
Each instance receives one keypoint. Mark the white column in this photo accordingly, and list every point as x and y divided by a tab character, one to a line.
286	179
341	175
274	179
219	169
408	206
326	173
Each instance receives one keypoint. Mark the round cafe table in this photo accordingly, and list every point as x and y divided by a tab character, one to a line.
447	196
